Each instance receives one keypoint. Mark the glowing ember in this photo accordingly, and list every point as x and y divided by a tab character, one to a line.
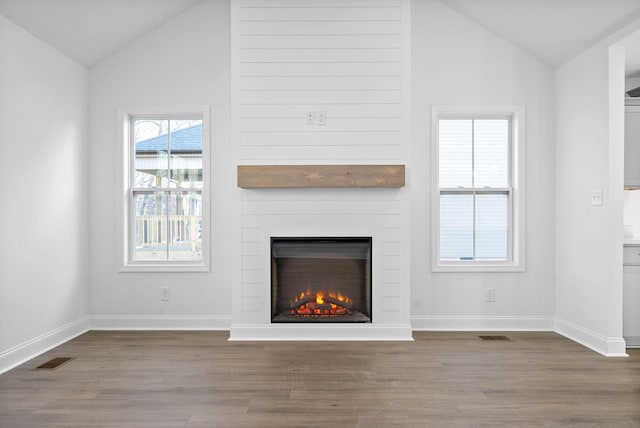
320	304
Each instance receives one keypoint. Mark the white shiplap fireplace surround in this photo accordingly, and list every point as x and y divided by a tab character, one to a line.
346	61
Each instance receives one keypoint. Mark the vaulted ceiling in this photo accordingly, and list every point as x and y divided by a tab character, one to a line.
89	31
553	30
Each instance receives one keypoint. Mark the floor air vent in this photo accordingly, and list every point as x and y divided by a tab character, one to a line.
54	363
494	338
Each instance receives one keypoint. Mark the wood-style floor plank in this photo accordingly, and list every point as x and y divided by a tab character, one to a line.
199	379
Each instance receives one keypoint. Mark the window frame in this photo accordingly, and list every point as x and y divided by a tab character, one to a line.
126	191
515	192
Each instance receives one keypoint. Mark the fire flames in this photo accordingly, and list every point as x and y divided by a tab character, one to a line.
320	304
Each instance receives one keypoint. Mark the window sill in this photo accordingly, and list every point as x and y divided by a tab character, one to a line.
478	267
163	268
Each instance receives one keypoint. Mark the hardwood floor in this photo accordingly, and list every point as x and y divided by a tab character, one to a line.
199	379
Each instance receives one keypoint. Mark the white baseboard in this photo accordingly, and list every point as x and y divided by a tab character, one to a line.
632	341
315	332
452	323
159	322
607	346
610	347
19	354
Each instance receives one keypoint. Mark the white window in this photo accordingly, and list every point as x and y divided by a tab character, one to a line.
478	175
166	190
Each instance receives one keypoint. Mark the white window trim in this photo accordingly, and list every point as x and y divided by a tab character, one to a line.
517	115
125	164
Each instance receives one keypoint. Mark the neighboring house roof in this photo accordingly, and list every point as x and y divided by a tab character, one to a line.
187	140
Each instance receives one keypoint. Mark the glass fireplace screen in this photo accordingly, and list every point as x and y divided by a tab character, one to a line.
321	279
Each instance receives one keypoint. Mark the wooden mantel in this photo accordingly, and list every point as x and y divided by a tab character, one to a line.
293	176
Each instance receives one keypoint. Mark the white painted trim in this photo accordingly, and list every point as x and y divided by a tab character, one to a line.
632	341
160	322
518	160
24	352
607	346
406	89
494	323
613	303
317	332
122	202
234	207
407	155
13	357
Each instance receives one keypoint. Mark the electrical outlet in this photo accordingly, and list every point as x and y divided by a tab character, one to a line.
318	118
165	294
596	197
491	295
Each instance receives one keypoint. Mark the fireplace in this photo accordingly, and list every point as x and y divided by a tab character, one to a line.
320	280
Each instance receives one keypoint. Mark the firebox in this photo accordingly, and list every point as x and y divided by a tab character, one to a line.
321	280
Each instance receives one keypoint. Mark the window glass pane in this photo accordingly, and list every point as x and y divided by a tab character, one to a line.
185	226
166	180
491	153
150	226
456	227
151	153
186	153
491	227
168	226
455	149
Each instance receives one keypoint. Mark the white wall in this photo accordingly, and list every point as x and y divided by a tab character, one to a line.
582	133
43	159
184	62
457	62
572	250
590	155
352	63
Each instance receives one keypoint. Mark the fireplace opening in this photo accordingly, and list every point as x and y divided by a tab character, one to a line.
321	280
